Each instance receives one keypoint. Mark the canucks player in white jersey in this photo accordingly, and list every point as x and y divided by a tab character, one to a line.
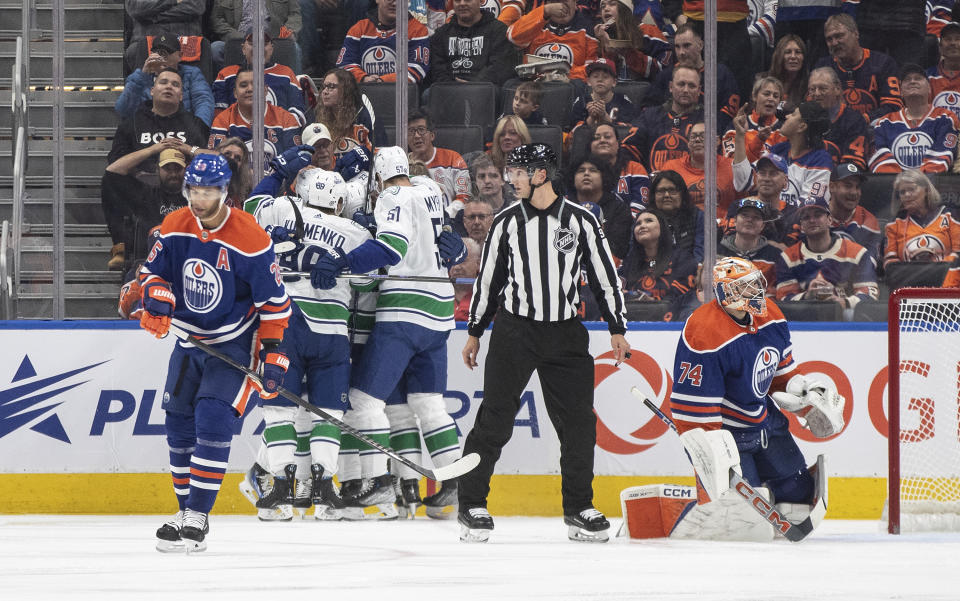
413	319
306	227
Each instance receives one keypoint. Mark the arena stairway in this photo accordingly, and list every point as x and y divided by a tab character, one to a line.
92	71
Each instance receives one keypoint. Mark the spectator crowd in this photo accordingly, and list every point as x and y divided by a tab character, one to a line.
837	123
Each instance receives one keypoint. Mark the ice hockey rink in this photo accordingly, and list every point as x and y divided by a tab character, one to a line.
112	557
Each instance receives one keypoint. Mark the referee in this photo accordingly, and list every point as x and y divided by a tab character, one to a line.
531	265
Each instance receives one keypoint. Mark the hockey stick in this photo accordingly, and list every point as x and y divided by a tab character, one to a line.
457	468
392	278
792	532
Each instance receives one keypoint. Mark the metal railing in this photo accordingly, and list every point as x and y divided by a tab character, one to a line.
11	235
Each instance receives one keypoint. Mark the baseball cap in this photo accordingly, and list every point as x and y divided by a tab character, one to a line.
909	68
248	35
845	170
171	155
751	202
818	202
627	3
167	42
601	63
951	26
774	159
315	132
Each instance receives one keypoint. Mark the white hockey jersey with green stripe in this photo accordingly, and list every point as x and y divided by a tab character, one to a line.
409	219
326	311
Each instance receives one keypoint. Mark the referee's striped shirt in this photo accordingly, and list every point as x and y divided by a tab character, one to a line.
532	262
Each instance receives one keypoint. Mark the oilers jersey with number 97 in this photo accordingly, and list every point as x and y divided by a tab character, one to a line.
723	371
409	220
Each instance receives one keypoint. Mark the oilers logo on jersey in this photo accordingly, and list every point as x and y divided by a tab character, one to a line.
379	60
764	368
555	50
859	100
202	287
910	148
924	244
948	99
491	6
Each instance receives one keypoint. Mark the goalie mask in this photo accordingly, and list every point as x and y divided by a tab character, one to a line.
322	189
740	286
389	162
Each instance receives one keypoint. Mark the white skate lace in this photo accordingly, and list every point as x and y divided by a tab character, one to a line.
194	519
591	514
479	512
176	521
303	489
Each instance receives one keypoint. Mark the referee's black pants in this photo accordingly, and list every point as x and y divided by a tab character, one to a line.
559	351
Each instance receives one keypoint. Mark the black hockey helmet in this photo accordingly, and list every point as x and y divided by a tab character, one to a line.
533	157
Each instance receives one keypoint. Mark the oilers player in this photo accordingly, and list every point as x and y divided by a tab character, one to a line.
212	274
317	341
413	322
733	353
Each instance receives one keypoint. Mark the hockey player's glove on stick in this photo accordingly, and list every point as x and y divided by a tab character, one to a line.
452	249
158	304
273	366
792	532
448	472
324	274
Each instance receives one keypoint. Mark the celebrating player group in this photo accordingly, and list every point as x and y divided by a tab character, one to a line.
337	327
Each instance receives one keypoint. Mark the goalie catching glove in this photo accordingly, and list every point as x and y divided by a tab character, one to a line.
273	367
158	305
819	404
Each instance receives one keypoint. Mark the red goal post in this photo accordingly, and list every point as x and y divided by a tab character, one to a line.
923	409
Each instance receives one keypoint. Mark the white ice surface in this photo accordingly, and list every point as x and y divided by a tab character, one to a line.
113	557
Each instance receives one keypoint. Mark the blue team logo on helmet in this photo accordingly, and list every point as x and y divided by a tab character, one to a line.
207	170
202	287
764	368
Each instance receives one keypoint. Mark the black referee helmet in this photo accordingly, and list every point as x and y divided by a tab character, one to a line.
534	156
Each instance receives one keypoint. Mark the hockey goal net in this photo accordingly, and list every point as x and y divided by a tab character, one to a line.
923	408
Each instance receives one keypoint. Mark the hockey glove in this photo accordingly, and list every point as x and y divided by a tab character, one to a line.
452	249
292	160
366	220
351	164
273	366
332	263
158	304
284	240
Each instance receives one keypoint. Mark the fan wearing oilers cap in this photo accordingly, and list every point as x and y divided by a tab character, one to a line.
733	355
212	274
303	228
413	320
529	276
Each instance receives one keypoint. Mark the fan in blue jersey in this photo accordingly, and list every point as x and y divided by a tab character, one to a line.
211	274
734	354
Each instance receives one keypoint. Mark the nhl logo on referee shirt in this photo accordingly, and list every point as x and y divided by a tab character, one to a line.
564	239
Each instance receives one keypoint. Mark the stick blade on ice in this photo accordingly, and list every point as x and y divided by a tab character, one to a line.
457	468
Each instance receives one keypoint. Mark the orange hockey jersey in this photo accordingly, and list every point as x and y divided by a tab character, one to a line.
573	42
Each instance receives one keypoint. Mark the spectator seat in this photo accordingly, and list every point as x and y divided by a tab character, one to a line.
811	310
457	103
463	139
383	98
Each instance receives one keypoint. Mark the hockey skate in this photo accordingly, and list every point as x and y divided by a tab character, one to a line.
369	492
408	497
326	499
302	499
168	535
589	526
256	483
475	524
442	505
195	528
277	504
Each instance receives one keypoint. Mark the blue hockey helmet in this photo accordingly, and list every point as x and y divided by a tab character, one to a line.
209	171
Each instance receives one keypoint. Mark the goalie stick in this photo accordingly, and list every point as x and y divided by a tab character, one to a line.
448	472
790	531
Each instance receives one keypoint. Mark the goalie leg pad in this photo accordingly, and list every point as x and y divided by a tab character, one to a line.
439	429
713	454
652	511
728	518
